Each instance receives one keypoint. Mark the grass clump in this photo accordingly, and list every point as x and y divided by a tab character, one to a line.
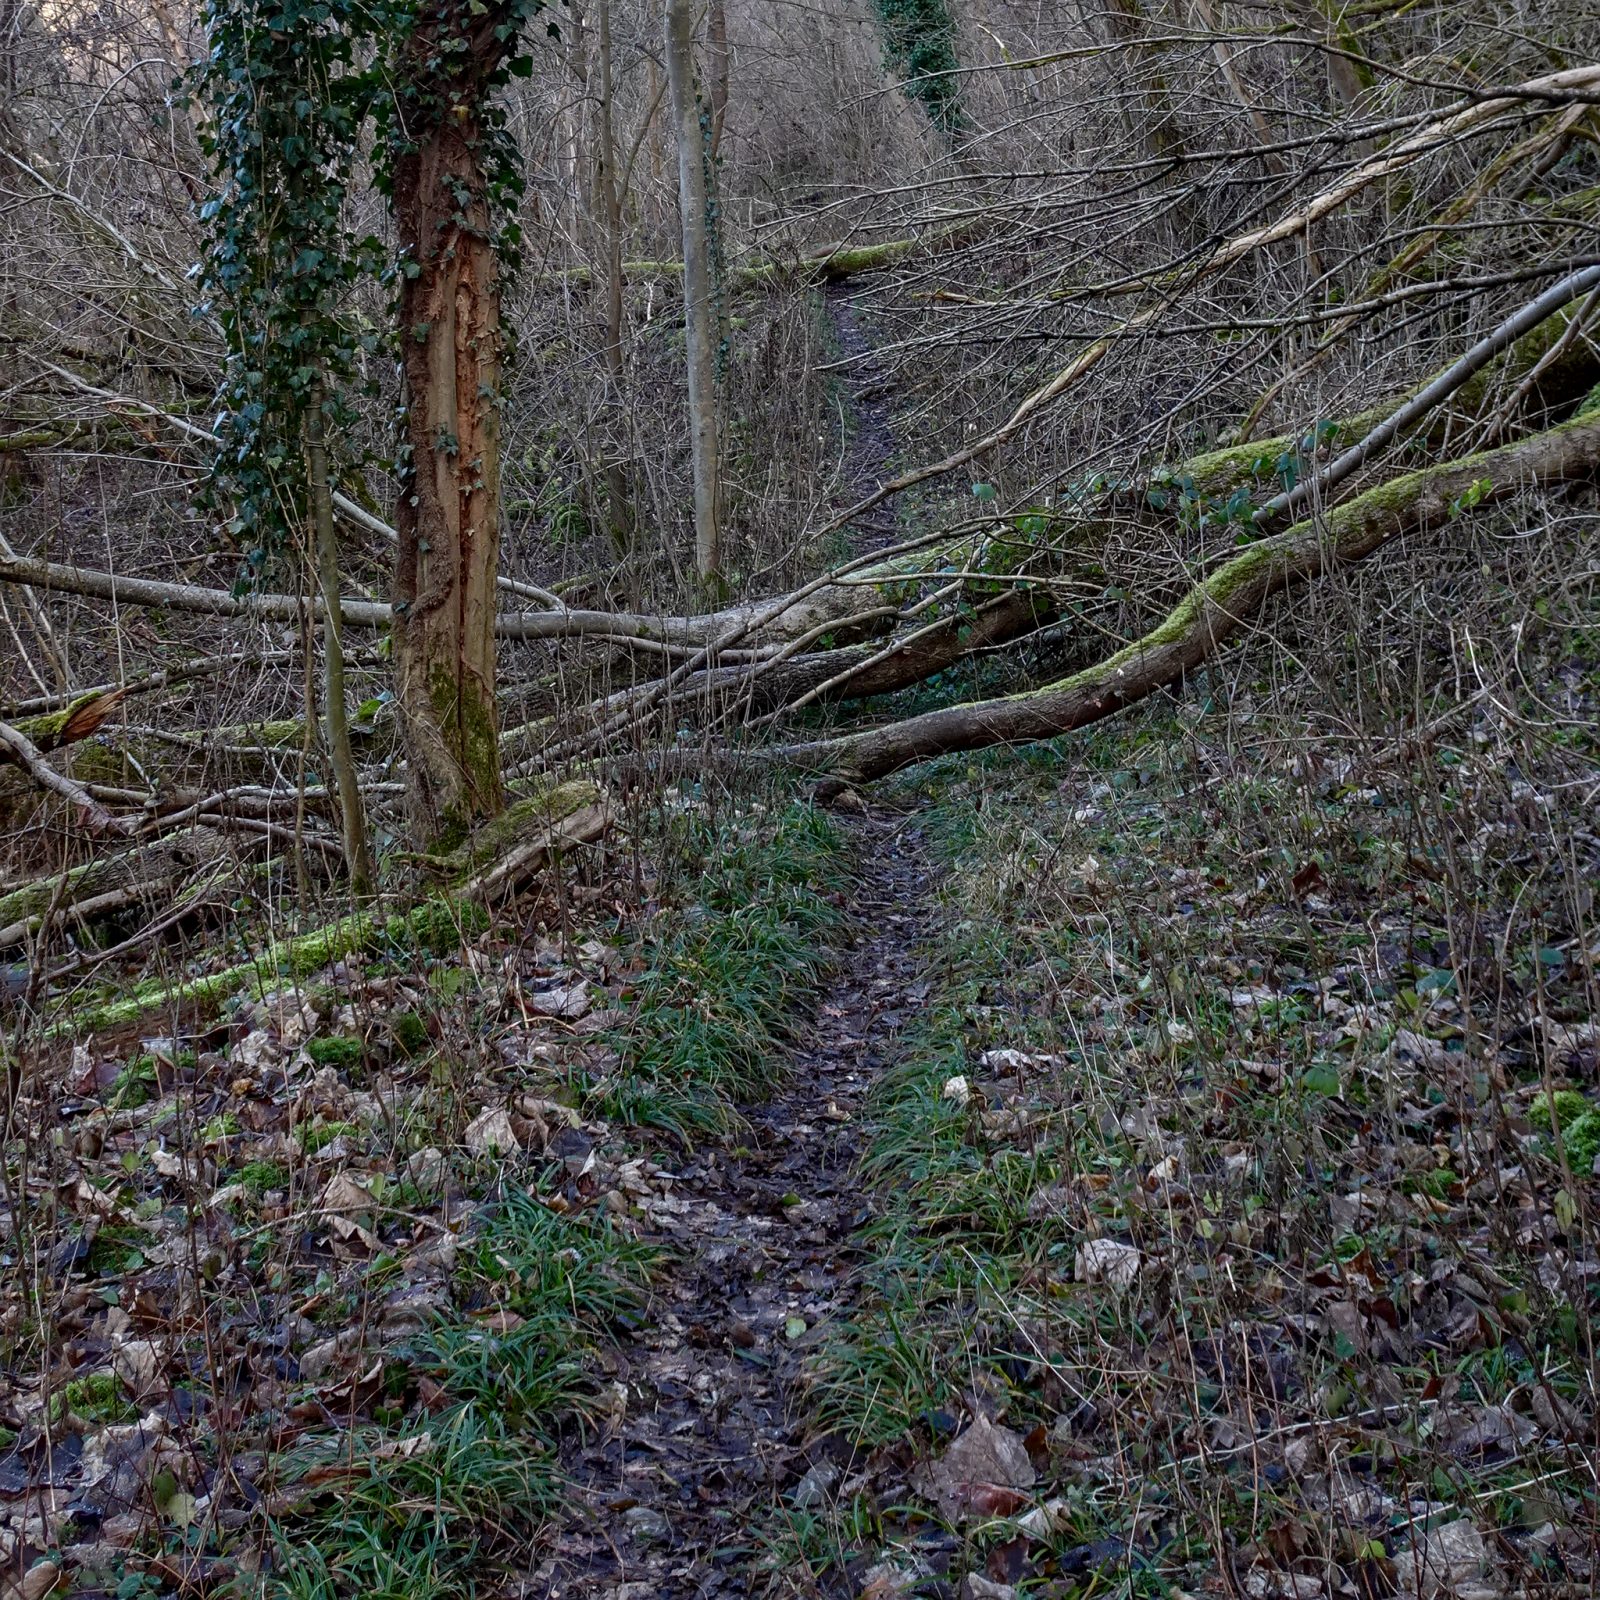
440	1501
710	1006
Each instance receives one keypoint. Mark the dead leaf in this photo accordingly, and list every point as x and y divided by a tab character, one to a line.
491	1133
975	1473
1107	1261
566	1002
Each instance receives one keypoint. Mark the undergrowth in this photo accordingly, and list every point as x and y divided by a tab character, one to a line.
1303	1050
431	1502
718	982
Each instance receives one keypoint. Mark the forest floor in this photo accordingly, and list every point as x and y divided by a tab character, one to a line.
1159	1163
1061	1178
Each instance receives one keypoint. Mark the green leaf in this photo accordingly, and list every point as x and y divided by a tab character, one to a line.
1321	1078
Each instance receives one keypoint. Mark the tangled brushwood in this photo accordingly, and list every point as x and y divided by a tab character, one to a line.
477	476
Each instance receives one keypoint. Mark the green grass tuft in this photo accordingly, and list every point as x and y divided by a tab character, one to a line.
709	1011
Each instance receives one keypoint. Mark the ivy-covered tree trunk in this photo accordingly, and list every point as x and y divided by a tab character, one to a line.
449	513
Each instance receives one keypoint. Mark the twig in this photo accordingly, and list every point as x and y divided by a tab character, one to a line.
18	749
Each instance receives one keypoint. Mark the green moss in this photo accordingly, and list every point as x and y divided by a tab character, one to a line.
533	813
436	926
1582	1142
1579	1122
33	899
409	1033
320	1136
96	1398
469	722
134	1086
1566	1104
257	1177
343	1052
117	1249
286	960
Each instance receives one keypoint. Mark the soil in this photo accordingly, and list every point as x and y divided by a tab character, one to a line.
714	1432
871	447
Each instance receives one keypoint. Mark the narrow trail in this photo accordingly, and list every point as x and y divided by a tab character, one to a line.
759	1241
870	451
759	1235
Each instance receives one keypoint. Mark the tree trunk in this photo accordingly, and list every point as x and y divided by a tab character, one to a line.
700	315
610	196
449	507
720	71
341	758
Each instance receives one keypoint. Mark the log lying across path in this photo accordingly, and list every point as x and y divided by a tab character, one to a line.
1215	609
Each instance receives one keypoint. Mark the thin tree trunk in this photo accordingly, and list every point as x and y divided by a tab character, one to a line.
719	71
700	318
611	217
352	814
1156	124
448	518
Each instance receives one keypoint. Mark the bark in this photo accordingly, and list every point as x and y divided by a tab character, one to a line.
341	758
78	719
719	62
449	508
831	263
854	672
827	600
1461	120
610	197
1214	610
699	301
1156	125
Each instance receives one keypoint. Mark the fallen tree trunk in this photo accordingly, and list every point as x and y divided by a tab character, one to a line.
532	833
1213	611
831	263
835	600
110	881
852	672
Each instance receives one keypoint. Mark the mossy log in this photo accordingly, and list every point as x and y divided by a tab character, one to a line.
1214	610
504	853
181	859
831	264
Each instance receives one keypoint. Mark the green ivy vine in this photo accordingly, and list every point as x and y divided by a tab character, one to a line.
919	40
307	100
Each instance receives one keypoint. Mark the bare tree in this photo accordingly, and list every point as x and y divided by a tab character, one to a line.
699	293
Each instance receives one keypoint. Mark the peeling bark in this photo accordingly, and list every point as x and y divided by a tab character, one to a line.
449	508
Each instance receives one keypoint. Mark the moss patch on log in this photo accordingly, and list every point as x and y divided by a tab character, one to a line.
436	923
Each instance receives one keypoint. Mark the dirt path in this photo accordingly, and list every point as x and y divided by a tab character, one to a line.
873	444
712	1432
